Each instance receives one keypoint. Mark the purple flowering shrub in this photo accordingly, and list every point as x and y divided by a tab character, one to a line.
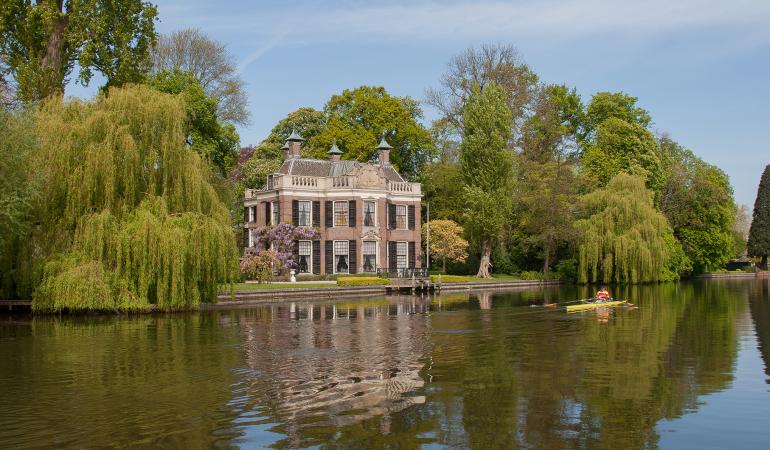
280	239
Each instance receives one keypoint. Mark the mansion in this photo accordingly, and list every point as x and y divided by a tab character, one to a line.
367	215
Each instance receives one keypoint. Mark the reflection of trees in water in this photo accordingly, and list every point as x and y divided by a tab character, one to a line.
759	303
323	368
559	381
97	382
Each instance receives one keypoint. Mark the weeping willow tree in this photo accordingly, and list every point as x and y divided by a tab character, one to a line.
128	217
625	239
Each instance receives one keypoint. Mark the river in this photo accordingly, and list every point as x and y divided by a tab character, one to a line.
687	369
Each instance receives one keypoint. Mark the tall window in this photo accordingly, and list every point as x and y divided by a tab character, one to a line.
305	263
341	214
401	217
252	214
369	216
276	216
341	257
370	256
304	213
401	255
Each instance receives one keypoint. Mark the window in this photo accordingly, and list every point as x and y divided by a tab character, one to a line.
341	257
276	215
340	215
249	238
370	256
401	255
369	216
401	217
305	218
252	214
305	263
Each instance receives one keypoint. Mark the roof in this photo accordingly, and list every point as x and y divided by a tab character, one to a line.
294	136
322	168
334	150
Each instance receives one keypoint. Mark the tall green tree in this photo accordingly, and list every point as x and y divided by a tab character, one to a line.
759	234
697	200
214	140
42	41
548	185
613	105
267	157
358	117
487	168
621	146
128	215
624	239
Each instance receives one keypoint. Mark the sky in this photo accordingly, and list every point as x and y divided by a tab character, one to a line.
701	67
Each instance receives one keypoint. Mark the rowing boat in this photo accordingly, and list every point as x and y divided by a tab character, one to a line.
592	305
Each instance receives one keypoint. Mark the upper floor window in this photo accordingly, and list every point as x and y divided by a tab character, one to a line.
252	214
369	213
340	214
401	220
305	218
275	213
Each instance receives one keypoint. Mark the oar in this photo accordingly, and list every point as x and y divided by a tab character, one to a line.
553	305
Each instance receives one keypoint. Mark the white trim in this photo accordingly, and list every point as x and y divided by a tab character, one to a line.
299	213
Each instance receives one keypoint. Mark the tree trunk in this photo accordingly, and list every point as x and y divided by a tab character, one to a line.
443	263
547	259
486	258
52	63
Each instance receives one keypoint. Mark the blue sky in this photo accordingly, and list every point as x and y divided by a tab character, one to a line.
701	67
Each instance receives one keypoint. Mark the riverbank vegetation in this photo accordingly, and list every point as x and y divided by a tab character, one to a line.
129	200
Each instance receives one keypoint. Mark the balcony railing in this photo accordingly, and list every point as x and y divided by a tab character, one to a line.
385	272
281	181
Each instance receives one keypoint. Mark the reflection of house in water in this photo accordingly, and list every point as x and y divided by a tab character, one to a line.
335	364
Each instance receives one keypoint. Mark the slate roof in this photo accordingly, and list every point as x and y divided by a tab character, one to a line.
321	168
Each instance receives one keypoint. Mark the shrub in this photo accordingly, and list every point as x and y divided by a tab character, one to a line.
361	281
451	278
259	266
567	269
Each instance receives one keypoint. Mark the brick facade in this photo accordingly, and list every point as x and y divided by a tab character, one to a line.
397	224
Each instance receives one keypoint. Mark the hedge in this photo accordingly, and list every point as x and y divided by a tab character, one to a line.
361	281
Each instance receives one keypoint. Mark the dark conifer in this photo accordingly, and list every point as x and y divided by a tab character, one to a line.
759	233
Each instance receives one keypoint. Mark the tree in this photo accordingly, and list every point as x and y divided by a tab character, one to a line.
127	215
548	187
215	141
267	156
697	200
624	239
484	65
41	42
621	146
209	62
741	231
487	167
357	118
759	234
446	241
282	239
613	105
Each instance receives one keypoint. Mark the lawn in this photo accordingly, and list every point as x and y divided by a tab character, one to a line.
250	287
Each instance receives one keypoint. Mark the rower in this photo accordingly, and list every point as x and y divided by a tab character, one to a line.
603	295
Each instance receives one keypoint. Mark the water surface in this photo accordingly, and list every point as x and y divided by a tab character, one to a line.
687	369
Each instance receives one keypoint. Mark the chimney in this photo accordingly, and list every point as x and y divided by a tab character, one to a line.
285	150
334	153
383	148
295	141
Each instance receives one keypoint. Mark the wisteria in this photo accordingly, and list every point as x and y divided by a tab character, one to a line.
280	239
